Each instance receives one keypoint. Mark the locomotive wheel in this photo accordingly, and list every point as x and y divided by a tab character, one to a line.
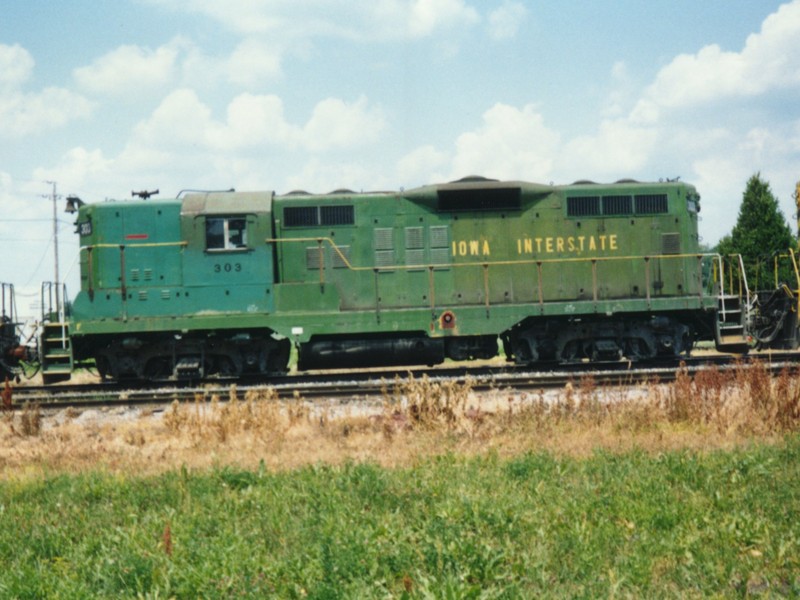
226	367
523	353
103	368
157	368
278	360
569	353
637	348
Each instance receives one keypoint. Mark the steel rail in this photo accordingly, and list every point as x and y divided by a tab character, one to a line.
354	386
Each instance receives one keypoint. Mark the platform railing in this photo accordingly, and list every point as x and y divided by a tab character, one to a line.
8	303
55	307
600	269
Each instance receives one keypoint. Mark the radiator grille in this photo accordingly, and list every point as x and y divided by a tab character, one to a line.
384	238
337	215
300	216
651	204
340	259
414	238
384	258
583	206
313	257
670	243
415	257
617	205
440	237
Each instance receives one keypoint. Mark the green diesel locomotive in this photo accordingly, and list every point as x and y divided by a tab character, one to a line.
226	282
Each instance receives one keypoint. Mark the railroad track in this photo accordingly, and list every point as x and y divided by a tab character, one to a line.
359	385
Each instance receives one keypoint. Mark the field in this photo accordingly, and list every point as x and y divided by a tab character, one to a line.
687	490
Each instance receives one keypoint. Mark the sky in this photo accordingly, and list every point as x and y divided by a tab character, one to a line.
104	97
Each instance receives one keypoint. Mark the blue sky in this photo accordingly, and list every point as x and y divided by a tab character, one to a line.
107	97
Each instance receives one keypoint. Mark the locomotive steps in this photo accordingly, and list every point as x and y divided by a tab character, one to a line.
731	335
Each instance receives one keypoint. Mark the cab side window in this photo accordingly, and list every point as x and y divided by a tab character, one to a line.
226	233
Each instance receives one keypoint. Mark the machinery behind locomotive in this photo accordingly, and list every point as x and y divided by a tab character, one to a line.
774	315
225	282
13	351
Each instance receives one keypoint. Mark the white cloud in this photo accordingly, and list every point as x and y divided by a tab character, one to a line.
252	146
242	16
723	159
622	92
26	114
337	124
254	61
511	144
272	28
353	19
722	177
12	203
256	120
616	150
769	60
323	176
129	69
78	168
23	113
16	65
183	120
423	17
421	166
713	141
504	22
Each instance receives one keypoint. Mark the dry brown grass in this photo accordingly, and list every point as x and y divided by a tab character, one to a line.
416	419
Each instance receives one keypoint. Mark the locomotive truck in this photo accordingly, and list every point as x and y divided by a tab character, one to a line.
13	351
225	283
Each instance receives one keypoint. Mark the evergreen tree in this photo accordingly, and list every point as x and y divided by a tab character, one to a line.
760	233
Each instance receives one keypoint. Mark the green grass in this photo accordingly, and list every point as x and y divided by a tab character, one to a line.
679	524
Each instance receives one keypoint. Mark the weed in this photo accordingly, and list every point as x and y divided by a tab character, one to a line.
31	420
786	413
135	438
166	539
418	417
429	404
680	398
174	418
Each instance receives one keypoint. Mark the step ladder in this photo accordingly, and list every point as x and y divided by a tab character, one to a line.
55	346
730	333
55	352
733	304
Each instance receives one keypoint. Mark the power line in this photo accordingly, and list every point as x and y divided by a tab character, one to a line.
41	260
25	220
61	221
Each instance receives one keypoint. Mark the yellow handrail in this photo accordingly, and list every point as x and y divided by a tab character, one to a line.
481	263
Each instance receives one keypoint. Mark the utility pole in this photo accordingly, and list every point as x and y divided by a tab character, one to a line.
54	198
